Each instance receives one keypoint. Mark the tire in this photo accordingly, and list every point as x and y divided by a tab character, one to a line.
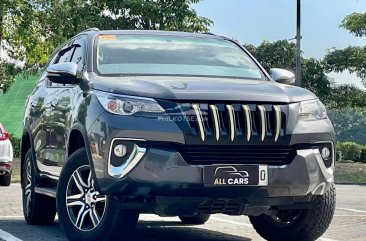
5	180
298	225
38	209
200	218
83	213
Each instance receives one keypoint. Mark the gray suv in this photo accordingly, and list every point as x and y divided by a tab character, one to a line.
174	124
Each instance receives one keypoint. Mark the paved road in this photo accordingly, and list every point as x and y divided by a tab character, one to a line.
349	222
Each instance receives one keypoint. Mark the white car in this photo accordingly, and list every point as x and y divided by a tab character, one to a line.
6	157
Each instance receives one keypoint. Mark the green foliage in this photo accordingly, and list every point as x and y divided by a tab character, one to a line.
281	54
314	78
346	96
339	156
363	154
16	145
8	71
349	124
351	58
355	23
350	150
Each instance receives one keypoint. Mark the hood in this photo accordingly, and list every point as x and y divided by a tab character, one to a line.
200	88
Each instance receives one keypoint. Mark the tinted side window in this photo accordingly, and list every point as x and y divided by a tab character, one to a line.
64	55
78	56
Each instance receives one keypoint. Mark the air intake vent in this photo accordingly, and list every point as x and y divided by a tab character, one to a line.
217	154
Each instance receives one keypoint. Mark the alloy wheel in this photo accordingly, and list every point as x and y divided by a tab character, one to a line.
28	185
84	204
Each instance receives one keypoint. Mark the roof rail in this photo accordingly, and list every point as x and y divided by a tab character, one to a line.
91	29
209	33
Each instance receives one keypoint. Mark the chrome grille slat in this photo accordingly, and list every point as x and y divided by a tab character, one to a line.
248	122
199	119
277	113
263	122
231	114
216	119
238	122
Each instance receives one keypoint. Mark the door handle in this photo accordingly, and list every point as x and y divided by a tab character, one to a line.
54	102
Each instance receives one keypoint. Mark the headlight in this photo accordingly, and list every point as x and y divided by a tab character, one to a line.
128	105
312	110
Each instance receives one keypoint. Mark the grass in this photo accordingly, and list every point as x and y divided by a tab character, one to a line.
13	104
346	173
350	173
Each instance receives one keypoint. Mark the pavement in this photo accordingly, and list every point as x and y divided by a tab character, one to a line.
349	223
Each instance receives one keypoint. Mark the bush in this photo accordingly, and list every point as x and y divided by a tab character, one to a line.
363	154
339	156
350	150
16	145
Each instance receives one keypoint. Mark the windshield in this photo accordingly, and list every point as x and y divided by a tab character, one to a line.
169	55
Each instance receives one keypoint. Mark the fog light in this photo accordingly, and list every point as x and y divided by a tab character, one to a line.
120	150
325	152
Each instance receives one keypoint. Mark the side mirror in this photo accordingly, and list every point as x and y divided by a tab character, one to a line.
282	76
63	73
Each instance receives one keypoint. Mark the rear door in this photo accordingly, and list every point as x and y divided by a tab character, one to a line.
34	117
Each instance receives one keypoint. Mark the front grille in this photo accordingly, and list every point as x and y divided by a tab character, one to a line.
216	154
237	122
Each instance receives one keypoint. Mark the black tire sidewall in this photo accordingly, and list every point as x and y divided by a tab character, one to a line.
28	215
310	224
197	219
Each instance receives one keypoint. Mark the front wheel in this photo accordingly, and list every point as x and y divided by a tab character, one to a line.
298	225
84	214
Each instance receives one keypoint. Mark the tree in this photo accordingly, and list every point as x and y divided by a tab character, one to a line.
346	96
31	29
279	54
349	124
282	54
351	58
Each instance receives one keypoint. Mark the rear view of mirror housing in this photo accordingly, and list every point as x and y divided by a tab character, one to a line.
63	73
282	76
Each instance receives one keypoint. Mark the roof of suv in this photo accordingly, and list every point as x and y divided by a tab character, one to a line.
152	32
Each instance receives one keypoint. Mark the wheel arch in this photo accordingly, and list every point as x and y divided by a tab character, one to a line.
78	138
26	143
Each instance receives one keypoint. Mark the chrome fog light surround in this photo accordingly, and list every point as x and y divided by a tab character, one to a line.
135	156
327	153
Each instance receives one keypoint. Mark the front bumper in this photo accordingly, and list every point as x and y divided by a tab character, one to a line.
164	172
